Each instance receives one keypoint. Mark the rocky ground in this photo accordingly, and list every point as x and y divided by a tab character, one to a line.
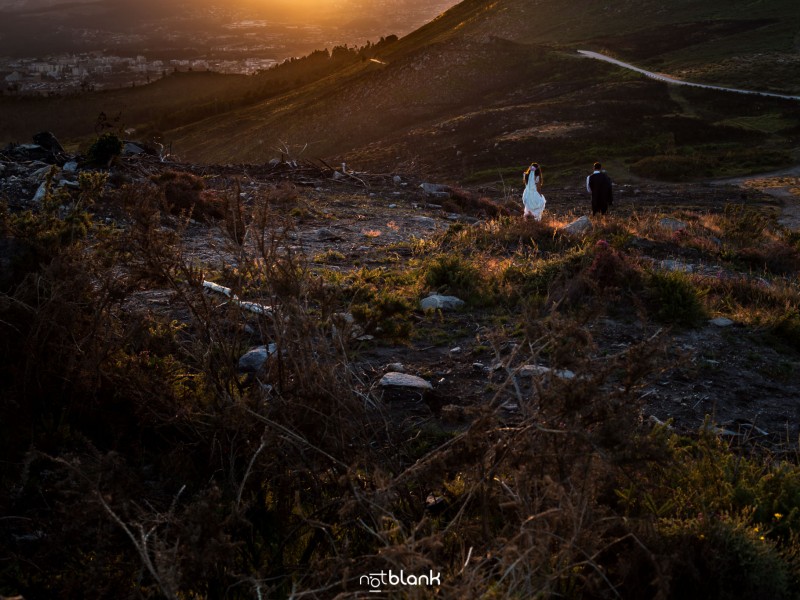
723	369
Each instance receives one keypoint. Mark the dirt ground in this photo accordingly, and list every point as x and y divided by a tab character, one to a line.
748	388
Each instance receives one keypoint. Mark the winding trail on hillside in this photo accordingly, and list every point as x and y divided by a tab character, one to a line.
668	79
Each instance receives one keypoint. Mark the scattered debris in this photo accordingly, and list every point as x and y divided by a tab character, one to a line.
253	307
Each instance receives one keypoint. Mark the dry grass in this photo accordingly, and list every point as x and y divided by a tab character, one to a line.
156	466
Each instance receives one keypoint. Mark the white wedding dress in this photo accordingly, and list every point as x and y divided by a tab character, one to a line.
534	202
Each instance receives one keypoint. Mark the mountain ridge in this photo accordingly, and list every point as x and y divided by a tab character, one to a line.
473	57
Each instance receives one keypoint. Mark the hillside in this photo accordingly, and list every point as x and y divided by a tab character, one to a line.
272	381
479	90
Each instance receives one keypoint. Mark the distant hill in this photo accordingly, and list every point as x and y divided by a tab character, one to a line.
491	85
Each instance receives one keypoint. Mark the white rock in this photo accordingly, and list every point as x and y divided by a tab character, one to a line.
441	302
578	226
404	380
539	371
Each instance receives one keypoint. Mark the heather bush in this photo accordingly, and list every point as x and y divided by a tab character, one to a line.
676	298
138	457
105	149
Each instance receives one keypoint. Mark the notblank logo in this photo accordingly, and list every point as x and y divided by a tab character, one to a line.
383	580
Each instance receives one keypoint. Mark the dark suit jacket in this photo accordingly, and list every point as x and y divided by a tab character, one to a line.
600	184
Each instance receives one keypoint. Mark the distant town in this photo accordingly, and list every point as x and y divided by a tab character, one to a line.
235	44
95	71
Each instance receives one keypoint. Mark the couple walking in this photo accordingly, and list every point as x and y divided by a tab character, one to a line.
598	184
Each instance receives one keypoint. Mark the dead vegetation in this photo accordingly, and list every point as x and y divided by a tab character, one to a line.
140	457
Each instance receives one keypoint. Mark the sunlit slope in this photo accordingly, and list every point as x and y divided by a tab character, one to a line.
429	102
744	42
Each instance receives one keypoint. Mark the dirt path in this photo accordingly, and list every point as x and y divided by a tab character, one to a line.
668	79
783	185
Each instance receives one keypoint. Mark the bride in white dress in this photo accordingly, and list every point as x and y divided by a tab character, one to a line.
532	196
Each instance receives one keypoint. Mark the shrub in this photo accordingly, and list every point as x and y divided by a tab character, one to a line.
105	149
453	274
744	226
676	298
185	193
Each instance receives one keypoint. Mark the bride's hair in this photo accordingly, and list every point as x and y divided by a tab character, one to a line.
537	172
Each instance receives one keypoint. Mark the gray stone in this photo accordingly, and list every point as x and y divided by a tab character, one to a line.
404	380
70	167
435	189
426	222
327	235
131	148
578	226
254	359
721	322
441	302
395	368
40	193
39	175
396	179
672	224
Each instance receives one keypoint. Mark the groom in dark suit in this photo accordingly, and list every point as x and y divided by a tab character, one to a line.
598	184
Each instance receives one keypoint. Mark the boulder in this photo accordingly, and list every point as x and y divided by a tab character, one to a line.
404	380
48	141
254	359
436	190
132	148
327	235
